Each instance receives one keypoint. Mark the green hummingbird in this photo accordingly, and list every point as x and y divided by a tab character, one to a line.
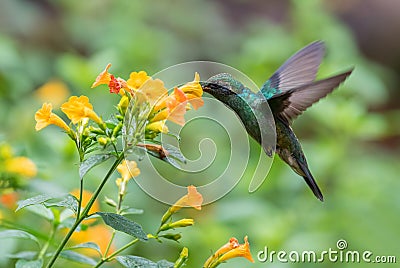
288	93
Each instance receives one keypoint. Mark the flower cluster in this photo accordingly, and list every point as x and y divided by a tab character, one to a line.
156	106
164	106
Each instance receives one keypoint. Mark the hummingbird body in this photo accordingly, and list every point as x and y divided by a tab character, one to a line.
289	92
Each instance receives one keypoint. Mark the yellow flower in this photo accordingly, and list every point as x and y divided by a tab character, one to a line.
54	91
78	108
242	250
45	117
183	256
137	79
22	166
194	91
158	126
128	169
152	91
123	104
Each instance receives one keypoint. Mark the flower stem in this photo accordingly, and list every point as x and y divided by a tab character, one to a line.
116	253
85	212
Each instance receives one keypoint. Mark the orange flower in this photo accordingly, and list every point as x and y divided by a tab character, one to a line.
45	117
230	250
173	108
103	78
242	250
78	108
9	200
191	199
137	79
22	166
86	195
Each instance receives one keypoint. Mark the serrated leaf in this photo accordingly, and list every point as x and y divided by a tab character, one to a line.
29	264
123	224
164	264
136	262
90	245
18	234
26	255
39	199
77	257
69	202
92	161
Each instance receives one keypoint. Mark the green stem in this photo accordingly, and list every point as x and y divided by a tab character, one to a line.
80	198
84	212
46	245
109	243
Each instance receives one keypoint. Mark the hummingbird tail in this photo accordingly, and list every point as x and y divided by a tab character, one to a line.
312	183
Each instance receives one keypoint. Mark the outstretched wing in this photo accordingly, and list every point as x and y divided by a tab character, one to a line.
298	70
290	104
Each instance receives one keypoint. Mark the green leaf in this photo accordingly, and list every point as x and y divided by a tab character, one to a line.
136	262
70	202
18	234
90	245
41	210
92	161
29	264
123	224
26	255
39	199
77	257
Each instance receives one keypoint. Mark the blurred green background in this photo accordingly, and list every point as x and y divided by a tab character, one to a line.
351	138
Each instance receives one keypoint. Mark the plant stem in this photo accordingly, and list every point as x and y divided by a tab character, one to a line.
85	212
46	245
116	253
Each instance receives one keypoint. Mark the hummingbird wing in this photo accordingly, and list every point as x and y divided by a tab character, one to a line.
298	70
290	104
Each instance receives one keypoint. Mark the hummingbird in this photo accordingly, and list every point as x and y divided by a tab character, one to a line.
288	93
